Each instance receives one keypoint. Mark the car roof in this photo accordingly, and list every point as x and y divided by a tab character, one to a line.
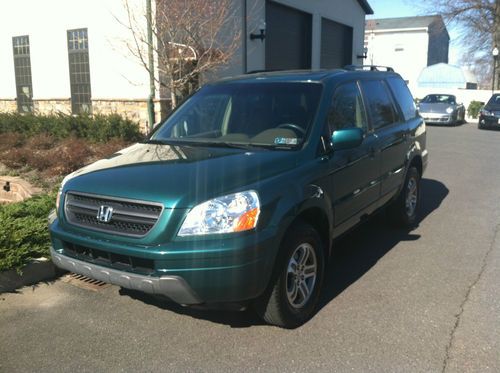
318	76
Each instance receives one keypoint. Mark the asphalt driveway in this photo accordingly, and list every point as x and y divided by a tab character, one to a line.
426	300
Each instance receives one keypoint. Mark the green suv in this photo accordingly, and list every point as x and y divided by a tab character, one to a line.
238	196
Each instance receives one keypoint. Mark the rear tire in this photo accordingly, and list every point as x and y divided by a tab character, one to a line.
404	211
294	290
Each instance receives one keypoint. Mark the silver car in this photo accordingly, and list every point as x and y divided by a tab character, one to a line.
441	109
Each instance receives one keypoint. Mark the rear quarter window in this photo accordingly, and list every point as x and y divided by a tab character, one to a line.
403	97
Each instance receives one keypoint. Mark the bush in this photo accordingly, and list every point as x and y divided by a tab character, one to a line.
23	233
97	128
473	109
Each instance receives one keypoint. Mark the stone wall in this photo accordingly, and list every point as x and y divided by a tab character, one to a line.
136	110
53	105
8	105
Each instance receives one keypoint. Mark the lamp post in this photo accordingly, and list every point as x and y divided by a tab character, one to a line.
494	52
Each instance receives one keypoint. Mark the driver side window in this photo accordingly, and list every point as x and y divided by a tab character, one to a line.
347	110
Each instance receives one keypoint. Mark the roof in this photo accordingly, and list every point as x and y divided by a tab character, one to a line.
309	76
366	7
403	22
446	76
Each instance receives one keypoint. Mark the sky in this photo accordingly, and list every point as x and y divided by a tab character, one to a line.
406	8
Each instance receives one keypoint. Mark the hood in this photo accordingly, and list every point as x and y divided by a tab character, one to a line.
178	176
434	108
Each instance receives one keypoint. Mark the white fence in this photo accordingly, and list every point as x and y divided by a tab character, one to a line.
464	96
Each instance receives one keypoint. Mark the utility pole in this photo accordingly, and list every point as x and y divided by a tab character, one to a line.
151	108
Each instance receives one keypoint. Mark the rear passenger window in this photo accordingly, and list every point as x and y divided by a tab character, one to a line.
347	109
379	103
403	97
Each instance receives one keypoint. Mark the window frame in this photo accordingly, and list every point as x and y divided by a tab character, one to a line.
22	63
79	70
367	128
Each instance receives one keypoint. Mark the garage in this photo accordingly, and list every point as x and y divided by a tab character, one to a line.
289	36
336	44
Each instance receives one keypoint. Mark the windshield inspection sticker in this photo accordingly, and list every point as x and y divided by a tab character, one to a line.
285	141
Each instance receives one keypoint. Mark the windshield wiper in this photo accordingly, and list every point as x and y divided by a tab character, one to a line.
219	144
155	142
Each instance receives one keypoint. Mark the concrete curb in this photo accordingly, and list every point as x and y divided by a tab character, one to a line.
39	270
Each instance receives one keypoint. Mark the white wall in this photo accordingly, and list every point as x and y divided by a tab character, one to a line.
114	72
409	62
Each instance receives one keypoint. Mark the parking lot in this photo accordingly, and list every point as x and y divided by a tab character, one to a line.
427	300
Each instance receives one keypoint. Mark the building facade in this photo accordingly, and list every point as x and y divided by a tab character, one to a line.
407	44
74	57
320	34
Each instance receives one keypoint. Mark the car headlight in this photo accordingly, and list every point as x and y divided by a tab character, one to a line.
236	212
486	112
449	110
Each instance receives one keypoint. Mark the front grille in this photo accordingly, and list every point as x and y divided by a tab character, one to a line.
129	218
105	258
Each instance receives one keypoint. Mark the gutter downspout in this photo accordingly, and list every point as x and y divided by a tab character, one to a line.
151	110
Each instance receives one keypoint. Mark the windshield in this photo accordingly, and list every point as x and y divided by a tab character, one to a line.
251	114
439	99
494	100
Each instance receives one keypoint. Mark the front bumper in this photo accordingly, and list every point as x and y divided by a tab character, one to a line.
173	287
436	118
203	270
489	121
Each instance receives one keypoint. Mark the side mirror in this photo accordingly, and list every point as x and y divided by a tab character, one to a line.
347	138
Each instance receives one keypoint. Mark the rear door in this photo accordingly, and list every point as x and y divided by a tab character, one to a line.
391	131
354	172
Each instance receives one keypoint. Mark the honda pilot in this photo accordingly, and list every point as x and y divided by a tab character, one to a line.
237	197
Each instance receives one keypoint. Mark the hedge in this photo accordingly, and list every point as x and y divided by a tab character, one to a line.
23	233
96	128
473	109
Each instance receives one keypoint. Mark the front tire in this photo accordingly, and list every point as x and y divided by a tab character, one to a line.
404	210
294	290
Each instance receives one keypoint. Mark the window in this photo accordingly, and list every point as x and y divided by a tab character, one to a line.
379	103
404	97
79	71
347	109
22	67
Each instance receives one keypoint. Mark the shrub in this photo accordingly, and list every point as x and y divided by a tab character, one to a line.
23	232
97	128
473	109
17	157
70	155
11	140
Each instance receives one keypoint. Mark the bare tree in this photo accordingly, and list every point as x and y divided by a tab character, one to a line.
479	22
191	38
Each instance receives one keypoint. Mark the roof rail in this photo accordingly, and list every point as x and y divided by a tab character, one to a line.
368	68
263	71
